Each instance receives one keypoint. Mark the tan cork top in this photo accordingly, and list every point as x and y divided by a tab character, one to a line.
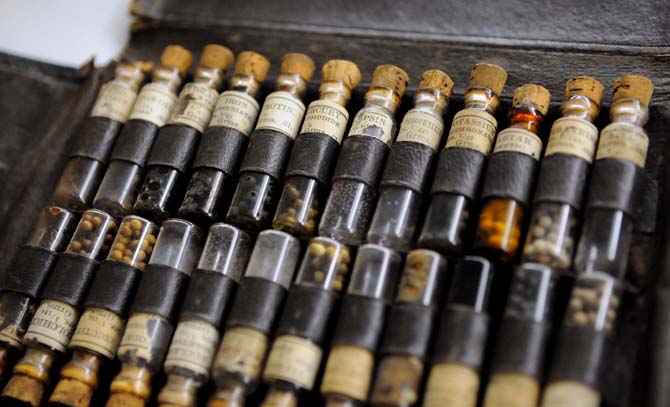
436	79
217	56
635	87
253	64
144	66
390	76
341	70
488	76
585	86
534	95
176	56
299	64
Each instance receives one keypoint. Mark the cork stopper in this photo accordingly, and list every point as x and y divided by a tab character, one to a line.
634	87
341	70
72	393
390	76
217	56
252	63
299	64
488	76
534	95
436	79
144	66
585	86
176	56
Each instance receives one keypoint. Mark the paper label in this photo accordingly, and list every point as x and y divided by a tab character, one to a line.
512	389
12	334
421	127
114	102
519	141
326	117
348	372
570	394
146	337
452	385
281	112
295	360
573	137
625	142
193	346
236	110
375	124
53	324
473	129
154	104
100	331
195	105
243	351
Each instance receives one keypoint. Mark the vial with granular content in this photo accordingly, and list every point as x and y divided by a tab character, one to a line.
315	150
404	179
224	142
119	187
451	215
264	163
353	194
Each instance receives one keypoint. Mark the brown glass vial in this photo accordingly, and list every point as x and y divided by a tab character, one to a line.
450	218
119	187
224	142
85	168
315	150
264	163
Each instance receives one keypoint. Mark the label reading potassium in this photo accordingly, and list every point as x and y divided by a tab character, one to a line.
348	372
573	137
242	350
193	346
281	112
625	142
327	117
236	110
373	124
146	337
154	104
53	324
195	105
100	331
519	141
421	127
114	102
295	360
473	129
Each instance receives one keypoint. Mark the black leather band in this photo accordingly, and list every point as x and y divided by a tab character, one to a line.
521	346
615	184
174	147
114	287
161	291
135	141
459	171
579	355
209	297
362	159
461	337
308	313
258	305
409	328
30	271
562	179
408	166
221	148
96	138
360	322
267	153
313	156
510	175
71	279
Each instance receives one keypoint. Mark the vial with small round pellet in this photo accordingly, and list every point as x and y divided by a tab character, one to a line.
224	142
176	142
119	187
411	157
315	151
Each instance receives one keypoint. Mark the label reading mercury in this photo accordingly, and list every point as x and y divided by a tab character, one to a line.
100	331
348	372
114	102
53	324
327	117
573	137
236	110
473	129
193	346
281	112
194	109
421	127
625	142
146	337
154	104
242	350
519	141
373	124
295	360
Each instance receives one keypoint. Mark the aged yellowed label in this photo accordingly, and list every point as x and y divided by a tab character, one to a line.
295	360
375	124
327	117
154	104
146	337
518	141
13	335
473	129
625	142
281	112
236	110
242	350
195	105
570	394
574	137
100	331
348	372
512	389
421	127
53	324
452	385
114	101
193	346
